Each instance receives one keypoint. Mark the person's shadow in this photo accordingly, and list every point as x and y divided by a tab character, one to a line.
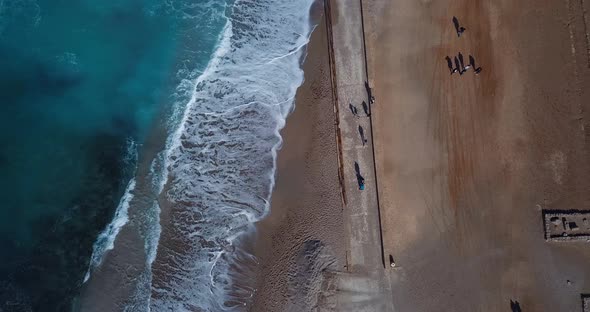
449	63
515	306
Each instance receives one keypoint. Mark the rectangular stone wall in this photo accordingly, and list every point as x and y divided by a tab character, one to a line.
585	302
566	225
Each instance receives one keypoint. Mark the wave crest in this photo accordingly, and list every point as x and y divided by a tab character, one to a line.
221	162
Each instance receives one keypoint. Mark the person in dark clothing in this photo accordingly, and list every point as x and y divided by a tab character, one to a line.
458	29
369	93
477	70
463	68
391	262
353	110
362	134
366	109
450	64
458	65
515	306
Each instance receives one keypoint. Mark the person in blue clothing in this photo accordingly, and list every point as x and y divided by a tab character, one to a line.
361	181
359	177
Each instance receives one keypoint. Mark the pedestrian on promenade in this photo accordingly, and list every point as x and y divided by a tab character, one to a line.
391	262
359	178
366	109
362	134
369	93
361	182
353	110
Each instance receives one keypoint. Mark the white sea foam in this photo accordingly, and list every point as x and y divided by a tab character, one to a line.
221	160
158	174
106	239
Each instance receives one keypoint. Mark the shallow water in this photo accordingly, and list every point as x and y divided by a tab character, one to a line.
112	107
222	159
81	85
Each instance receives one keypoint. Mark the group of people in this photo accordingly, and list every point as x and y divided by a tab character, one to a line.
460	67
459	64
354	111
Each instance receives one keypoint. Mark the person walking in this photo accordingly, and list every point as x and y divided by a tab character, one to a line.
450	64
463	68
458	66
459	29
362	134
477	70
359	178
366	109
353	110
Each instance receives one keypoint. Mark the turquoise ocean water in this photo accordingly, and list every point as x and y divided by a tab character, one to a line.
81	85
159	115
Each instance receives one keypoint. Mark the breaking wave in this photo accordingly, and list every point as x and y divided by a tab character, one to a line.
220	162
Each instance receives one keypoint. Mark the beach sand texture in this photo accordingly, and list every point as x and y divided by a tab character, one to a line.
303	237
317	201
466	164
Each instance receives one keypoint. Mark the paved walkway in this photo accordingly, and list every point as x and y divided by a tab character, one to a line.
365	257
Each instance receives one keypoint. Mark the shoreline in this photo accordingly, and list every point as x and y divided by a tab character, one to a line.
118	280
303	235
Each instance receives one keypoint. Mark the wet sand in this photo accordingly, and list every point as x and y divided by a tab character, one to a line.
114	284
303	236
301	239
466	164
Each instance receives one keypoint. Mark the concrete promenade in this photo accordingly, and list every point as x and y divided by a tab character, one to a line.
367	268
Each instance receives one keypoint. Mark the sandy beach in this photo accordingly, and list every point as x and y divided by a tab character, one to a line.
304	234
467	163
320	248
458	169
